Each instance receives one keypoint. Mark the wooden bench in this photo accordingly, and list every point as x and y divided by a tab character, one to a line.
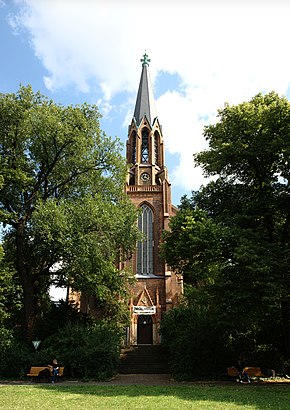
233	371
254	372
251	372
35	372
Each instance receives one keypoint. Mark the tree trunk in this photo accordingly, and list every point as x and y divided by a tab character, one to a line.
27	282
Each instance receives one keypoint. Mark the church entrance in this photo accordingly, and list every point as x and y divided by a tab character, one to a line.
145	330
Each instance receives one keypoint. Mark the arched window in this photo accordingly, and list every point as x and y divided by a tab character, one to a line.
133	148
156	148
145	247
145	147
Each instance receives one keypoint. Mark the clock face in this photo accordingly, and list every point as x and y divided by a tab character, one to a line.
145	177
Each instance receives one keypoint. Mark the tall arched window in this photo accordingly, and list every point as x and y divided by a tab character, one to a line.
133	148
156	148
145	147
145	247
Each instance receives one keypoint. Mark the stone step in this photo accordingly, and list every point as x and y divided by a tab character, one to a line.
144	359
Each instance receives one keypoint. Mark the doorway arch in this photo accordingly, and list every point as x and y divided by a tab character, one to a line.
145	330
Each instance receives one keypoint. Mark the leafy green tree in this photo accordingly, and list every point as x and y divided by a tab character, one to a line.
10	303
10	291
249	148
242	245
62	199
193	245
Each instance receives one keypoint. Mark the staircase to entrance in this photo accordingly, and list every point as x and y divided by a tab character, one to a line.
144	359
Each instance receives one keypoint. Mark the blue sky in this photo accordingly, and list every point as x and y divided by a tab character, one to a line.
203	53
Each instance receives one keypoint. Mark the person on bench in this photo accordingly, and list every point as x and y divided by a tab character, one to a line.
54	368
243	375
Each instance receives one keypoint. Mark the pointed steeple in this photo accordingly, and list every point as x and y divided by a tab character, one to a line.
145	104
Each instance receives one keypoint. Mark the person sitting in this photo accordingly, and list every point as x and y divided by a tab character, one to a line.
243	375
54	368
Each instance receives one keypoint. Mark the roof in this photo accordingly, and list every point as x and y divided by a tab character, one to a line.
145	104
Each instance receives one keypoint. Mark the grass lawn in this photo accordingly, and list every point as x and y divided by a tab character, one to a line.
210	397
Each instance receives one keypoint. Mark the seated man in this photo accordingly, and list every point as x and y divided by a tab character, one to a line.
54	368
243	375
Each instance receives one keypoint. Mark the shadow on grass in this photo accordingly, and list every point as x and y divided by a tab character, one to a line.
258	397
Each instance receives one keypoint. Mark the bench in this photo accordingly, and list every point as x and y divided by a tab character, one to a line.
251	372
254	372
233	371
39	372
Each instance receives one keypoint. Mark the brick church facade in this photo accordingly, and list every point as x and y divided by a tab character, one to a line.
157	289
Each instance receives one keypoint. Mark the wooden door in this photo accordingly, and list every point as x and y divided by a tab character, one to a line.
145	330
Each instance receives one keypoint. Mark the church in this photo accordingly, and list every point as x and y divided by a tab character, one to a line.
157	288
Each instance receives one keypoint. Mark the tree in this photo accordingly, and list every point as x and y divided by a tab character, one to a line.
193	245
248	211
10	292
62	199
250	148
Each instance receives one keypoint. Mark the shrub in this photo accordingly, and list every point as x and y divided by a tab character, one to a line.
202	343
16	359
85	351
57	315
195	349
6	340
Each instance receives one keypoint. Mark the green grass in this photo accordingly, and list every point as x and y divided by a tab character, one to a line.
210	397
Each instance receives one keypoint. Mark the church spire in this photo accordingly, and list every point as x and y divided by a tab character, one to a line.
145	104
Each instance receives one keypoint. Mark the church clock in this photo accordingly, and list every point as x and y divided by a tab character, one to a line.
145	177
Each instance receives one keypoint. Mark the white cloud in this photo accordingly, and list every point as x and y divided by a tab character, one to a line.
222	50
182	126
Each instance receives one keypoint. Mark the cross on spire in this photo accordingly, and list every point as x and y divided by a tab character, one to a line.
145	60
145	100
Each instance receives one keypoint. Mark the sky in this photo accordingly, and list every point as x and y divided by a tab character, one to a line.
203	53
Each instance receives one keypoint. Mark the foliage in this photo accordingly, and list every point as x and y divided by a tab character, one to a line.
6	340
232	238
6	301
62	200
85	351
250	142
10	304
193	245
16	358
195	348
57	316
10	294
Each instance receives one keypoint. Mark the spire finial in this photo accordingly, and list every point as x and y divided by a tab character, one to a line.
145	60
